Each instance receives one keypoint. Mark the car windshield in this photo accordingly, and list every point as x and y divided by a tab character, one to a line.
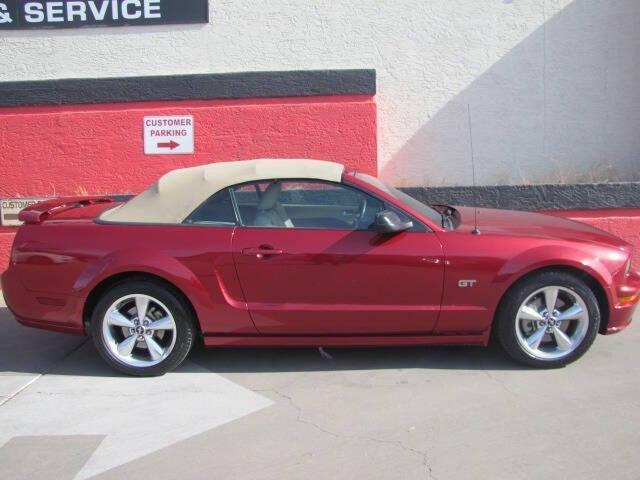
424	209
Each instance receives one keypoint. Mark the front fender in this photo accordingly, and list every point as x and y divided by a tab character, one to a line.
597	264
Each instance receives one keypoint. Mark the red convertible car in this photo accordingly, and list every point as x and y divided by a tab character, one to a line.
300	252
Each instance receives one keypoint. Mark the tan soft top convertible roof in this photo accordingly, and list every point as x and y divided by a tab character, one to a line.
172	198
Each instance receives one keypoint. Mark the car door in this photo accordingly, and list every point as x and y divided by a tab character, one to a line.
310	264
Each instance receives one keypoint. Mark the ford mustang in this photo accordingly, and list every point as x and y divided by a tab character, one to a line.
303	253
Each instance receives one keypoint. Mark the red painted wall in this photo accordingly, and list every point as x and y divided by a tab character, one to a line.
94	149
71	150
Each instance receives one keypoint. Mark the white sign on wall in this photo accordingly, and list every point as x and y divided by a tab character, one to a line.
168	135
10	208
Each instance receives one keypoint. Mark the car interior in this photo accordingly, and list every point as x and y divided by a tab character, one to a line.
290	204
305	204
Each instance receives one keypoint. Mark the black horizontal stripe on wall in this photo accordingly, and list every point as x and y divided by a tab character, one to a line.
587	196
299	83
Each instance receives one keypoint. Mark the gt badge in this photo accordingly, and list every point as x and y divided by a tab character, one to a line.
466	283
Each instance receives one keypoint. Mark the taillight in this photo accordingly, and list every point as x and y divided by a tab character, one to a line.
13	259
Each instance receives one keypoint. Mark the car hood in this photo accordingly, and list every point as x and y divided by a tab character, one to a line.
529	224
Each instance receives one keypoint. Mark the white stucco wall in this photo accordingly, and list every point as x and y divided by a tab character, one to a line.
553	85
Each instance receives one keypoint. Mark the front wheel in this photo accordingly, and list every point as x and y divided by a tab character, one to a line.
142	328
548	320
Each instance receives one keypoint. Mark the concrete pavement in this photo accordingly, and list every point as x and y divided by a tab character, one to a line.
441	413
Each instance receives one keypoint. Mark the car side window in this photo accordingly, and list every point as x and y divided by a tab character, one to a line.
216	210
305	204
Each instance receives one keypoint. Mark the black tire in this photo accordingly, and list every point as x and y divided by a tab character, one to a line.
516	296
184	323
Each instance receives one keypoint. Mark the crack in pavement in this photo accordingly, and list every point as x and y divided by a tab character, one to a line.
402	446
423	454
299	414
501	383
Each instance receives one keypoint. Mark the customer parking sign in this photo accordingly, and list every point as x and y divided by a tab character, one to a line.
168	135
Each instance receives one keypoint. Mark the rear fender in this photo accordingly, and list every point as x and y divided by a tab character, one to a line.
144	261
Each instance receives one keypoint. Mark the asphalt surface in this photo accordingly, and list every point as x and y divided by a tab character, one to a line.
441	413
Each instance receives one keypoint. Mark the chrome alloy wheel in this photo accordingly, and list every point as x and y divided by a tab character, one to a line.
552	322
139	331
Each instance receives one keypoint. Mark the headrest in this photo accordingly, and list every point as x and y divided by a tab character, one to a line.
270	196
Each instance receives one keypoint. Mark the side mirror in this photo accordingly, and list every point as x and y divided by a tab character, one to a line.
388	221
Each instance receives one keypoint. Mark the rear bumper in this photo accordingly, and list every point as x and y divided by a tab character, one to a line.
52	326
628	295
40	310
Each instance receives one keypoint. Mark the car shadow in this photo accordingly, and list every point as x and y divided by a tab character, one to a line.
277	359
27	351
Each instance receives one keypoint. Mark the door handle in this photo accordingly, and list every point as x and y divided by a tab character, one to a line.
261	252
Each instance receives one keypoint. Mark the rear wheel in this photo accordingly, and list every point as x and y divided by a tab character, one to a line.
548	320
142	328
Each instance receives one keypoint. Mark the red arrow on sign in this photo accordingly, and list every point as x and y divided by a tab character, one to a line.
171	145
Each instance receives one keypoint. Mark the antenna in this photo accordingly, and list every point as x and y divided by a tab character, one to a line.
476	230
